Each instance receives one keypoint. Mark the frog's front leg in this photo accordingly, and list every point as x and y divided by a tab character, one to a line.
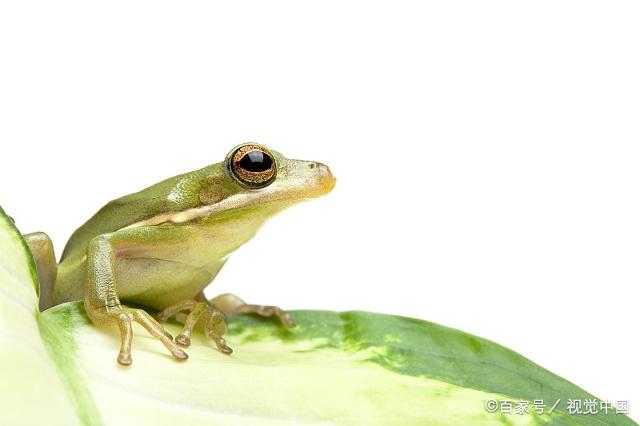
103	305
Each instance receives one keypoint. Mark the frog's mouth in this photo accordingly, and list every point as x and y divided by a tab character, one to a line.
315	181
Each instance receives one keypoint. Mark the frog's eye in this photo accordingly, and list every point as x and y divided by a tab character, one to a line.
253	165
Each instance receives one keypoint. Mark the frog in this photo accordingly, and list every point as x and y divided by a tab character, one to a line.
156	250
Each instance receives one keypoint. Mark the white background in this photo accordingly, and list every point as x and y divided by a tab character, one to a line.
486	152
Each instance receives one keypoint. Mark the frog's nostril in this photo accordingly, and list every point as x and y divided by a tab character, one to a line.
312	165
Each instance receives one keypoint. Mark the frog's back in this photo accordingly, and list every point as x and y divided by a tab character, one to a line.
169	195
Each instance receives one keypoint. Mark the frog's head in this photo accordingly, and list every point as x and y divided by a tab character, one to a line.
267	176
254	183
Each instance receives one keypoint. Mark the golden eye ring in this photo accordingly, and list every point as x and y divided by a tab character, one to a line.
252	165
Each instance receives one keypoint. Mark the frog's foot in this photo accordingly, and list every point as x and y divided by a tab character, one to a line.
230	304
215	324
123	316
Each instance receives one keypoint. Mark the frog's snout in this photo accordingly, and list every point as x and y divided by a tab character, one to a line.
325	179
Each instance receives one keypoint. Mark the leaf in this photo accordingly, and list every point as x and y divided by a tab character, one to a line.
349	368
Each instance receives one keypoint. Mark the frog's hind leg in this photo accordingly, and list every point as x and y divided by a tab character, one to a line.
215	324
230	304
42	250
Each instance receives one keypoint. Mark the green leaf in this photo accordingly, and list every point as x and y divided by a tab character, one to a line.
349	368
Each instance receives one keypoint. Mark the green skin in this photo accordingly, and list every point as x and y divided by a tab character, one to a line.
162	246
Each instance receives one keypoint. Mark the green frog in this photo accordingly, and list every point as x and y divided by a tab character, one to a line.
159	248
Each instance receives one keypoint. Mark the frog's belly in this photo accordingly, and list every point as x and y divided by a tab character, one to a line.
160	283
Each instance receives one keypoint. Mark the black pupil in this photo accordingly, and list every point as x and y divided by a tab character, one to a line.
256	161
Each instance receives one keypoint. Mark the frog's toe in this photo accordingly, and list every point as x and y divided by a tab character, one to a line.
222	347
183	340
221	344
215	326
124	359
181	355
